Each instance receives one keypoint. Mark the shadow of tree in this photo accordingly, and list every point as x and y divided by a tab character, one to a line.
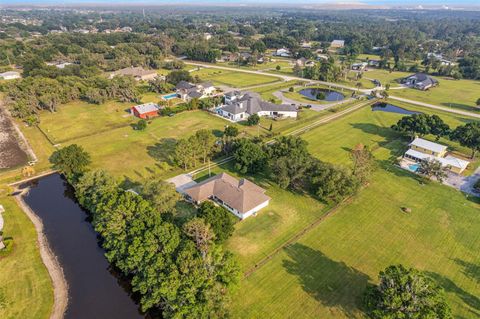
450	287
332	283
469	269
163	150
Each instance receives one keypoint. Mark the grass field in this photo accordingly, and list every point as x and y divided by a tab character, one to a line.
25	286
324	274
460	94
233	78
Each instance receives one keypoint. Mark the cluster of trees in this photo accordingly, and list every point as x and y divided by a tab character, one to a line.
288	163
28	96
195	149
468	135
406	293
176	267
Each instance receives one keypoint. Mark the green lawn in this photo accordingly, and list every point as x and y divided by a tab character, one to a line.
324	274
233	78
266	92
385	76
25	286
460	94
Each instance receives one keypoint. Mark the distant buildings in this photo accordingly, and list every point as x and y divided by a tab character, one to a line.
420	81
337	44
10	75
283	52
59	65
359	66
239	106
302	62
139	73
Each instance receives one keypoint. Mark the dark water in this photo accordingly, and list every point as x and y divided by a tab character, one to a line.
385	107
94	292
330	96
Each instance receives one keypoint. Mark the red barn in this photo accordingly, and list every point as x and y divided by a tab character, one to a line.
145	111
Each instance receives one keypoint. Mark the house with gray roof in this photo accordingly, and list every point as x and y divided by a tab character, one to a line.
239	106
420	81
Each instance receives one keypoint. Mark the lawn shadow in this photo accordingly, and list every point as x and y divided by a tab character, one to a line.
469	269
450	287
330	282
163	150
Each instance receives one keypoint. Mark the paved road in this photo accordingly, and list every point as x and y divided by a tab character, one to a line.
464	183
336	85
437	107
281	76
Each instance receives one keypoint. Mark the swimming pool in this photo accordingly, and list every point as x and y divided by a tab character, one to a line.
413	167
170	96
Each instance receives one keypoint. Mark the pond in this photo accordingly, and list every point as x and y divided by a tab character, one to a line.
93	289
317	94
385	107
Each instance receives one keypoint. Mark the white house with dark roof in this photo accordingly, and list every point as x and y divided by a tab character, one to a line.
337	44
239	106
420	81
10	75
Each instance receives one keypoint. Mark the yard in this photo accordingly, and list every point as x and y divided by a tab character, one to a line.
324	274
23	269
233	78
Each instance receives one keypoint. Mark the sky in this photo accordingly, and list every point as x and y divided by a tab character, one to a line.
371	2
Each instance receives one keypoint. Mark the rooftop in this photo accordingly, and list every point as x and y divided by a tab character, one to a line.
431	146
146	108
241	195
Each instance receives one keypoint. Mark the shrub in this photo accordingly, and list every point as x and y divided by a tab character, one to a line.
141	125
291	89
253	119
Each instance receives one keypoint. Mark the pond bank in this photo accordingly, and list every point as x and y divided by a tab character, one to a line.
60	287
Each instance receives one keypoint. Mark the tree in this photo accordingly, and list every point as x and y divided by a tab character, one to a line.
258	46
433	168
94	187
231	131
162	195
201	234
415	124
249	156
177	76
183	153
468	135
438	127
220	219
406	293
72	161
141	125
363	162
478	102
331	183
205	141
278	68
158	85
253	119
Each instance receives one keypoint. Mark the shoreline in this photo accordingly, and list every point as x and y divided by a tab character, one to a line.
60	286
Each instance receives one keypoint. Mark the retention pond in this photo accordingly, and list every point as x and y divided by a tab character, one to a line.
94	290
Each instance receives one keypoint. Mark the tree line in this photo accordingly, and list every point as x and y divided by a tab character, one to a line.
176	266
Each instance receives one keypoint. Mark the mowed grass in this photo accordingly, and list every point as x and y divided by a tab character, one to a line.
25	286
233	78
324	274
460	94
287	214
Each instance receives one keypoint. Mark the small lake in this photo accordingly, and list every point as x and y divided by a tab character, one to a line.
93	289
385	107
327	95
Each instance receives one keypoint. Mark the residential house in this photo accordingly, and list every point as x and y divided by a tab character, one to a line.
145	111
374	63
359	66
61	65
337	44
239	106
443	61
188	91
423	150
241	197
10	75
420	81
283	52
303	62
139	73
